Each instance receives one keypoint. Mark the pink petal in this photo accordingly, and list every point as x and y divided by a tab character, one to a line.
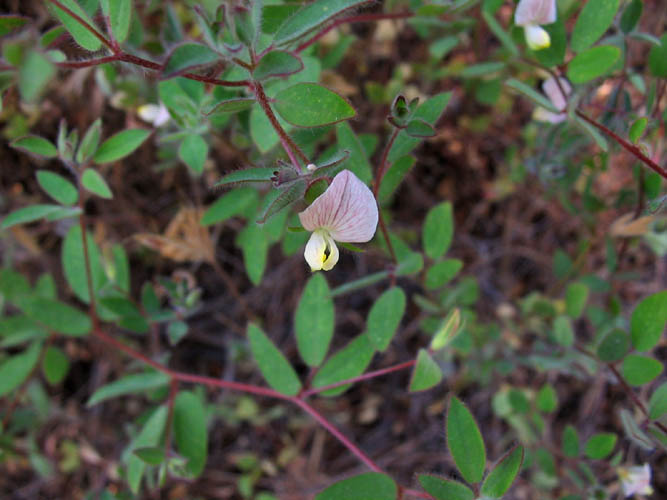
535	12
554	94
347	210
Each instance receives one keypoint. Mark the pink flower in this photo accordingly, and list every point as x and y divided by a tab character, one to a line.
531	14
345	212
551	90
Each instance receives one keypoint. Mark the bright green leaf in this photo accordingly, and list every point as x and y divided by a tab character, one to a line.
637	129
95	183
120	145
236	202
54	365
348	362
74	263
314	320
648	321
255	246
149	436
426	373
503	474
152	455
657	59
592	63
440	273
35	145
28	214
576	296
547	399
657	405
639	370
594	20
312	105
600	445
445	489
56	315
57	187
631	15
563	331
190	434
119	13
129	384
275	369
447	330
81	35
438	230
465	442
193	152
15	369
35	73
371	485
570	443
385	317
90	142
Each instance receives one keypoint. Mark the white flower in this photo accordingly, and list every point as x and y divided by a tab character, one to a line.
158	115
635	480
551	90
531	14
345	212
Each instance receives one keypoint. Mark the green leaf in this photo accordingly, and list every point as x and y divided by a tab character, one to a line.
119	13
9	23
35	145
95	183
74	263
190	433
637	129
419	128
81	35
613	346
54	365
186	57
193	152
277	63
503	474
15	369
426	373
149	436
563	331
385	316
594	20
28	214
547	399
35	73
348	362
357	163
657	58
639	370
236	202
57	187
576	296
120	145
90	142
312	105
394	176
570	442
151	455
275	369
554	55
440	273
631	15
465	442
445	489
56	315
657	406
287	196
597	137
429	111
592	63
648	321
438	230
531	94
600	445
314	321
247	176
371	485
254	245
129	384
310	17
231	106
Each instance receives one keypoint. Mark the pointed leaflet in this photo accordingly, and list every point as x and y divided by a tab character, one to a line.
465	442
310	17
285	198
312	105
348	362
129	384
593	21
277	63
248	175
56	315
186	57
438	230
639	370
426	373
57	187
96	184
120	145
385	316
648	321
600	445
314	321
190	433
81	35
119	13
15	369
254	244
445	489
503	474
35	145
74	266
275	369
236	202
149	436
28	214
372	485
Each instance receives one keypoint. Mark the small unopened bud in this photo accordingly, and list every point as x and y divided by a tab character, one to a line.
310	167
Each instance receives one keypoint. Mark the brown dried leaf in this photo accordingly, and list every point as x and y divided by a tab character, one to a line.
184	239
626	225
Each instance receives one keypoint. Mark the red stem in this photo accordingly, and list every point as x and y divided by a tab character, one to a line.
625	144
365	376
353	19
